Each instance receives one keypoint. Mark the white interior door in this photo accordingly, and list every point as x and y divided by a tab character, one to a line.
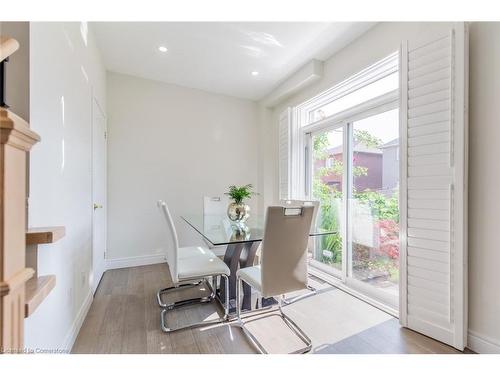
434	184
98	194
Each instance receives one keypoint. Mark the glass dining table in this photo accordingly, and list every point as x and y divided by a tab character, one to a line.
241	242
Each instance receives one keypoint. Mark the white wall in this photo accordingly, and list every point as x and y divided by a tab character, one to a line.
64	72
176	144
484	179
484	254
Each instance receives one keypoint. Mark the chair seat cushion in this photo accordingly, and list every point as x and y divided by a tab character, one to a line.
191	251
252	276
198	262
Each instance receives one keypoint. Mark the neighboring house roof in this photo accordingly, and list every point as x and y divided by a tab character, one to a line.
360	147
393	143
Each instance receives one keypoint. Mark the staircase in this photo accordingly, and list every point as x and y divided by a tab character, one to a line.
16	140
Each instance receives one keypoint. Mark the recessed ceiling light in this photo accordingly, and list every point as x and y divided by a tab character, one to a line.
162	49
255	73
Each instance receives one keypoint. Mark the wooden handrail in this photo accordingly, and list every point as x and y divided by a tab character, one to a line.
7	47
37	236
37	289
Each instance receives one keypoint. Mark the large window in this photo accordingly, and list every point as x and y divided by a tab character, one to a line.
373	90
351	164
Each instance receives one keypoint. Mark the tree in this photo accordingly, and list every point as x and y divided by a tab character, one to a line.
364	137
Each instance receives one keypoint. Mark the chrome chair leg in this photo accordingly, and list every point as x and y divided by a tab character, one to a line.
178	304
288	321
296	329
313	292
177	288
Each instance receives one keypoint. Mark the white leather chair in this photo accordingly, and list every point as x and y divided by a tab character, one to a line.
190	266
284	264
215	206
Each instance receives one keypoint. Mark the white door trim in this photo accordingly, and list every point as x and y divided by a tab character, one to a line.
95	104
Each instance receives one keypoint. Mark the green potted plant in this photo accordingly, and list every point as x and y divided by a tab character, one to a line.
238	211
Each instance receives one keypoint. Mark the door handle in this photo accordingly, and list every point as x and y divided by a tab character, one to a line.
96	206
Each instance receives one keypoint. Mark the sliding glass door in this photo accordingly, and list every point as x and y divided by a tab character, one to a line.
373	238
327	186
354	173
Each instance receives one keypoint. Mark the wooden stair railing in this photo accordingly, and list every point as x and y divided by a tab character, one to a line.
16	140
7	47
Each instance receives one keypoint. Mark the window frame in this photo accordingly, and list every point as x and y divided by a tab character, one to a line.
344	119
371	74
383	103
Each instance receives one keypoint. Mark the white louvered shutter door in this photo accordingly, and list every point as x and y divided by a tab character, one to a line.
284	140
434	185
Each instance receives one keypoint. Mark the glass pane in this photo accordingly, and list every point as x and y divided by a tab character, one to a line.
374	207
327	177
373	90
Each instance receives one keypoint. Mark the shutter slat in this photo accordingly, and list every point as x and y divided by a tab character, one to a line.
429	244
428	159
429	119
429	194
430	67
437	182
428	224
437	148
437	277
429	98
428	48
441	106
431	295
429	306
429	285
429	78
433	87
429	58
429	254
438	127
429	264
429	170
417	213
433	204
428	139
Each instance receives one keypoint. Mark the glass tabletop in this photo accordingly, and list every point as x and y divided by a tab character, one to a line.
219	230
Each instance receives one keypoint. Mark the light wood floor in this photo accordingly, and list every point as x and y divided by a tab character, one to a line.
124	318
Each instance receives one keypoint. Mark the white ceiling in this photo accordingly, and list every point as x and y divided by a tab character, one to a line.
220	56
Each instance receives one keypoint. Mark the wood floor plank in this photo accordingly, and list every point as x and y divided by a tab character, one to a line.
125	318
134	325
85	342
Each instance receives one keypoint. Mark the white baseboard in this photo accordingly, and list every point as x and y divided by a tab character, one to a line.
77	323
482	344
142	260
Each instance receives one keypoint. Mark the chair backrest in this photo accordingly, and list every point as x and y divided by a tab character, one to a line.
295	203
171	240
284	249
215	205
